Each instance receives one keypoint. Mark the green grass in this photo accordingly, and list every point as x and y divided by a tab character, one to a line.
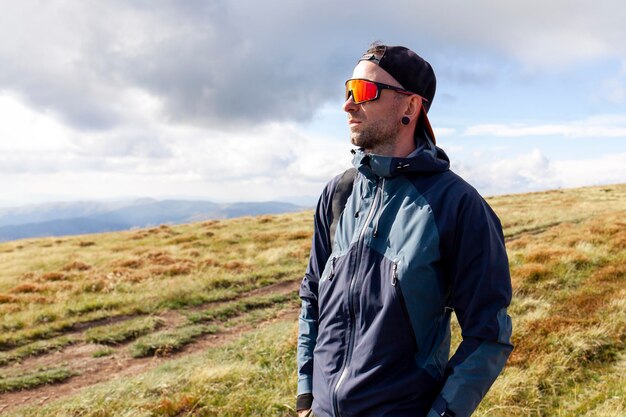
48	286
252	376
240	307
27	335
122	332
567	253
165	342
36	348
42	332
569	320
102	352
248	311
34	379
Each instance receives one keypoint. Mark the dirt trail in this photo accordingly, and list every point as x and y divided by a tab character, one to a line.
281	287
91	371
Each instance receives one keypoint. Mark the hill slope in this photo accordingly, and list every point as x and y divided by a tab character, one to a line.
200	319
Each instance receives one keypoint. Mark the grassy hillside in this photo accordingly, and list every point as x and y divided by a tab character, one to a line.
200	319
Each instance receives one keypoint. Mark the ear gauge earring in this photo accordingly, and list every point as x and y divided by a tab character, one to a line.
406	120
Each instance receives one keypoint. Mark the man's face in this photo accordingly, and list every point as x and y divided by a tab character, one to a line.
374	125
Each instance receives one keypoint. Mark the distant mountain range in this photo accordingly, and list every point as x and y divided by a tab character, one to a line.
72	218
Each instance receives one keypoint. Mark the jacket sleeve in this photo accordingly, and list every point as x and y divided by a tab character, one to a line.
478	268
307	329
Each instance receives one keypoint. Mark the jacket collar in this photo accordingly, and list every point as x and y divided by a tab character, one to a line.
422	160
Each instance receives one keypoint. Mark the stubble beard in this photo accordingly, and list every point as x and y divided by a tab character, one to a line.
379	137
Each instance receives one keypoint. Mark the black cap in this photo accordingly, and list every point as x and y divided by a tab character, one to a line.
413	73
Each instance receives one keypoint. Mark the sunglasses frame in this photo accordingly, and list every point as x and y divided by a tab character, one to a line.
379	88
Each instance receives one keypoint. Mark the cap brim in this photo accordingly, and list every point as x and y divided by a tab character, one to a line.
424	124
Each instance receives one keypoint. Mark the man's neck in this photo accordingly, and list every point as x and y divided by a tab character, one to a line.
399	149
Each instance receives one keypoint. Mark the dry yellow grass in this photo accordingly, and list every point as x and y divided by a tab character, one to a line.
567	252
568	271
77	279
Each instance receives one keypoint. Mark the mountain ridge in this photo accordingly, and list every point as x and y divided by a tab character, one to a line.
82	217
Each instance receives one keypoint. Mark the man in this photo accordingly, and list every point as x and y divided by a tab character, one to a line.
413	242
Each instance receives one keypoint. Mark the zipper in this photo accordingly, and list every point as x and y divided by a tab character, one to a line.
360	243
394	274
403	307
331	275
379	210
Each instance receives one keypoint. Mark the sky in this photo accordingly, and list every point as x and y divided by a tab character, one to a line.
241	100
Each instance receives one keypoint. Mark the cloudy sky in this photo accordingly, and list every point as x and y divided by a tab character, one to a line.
241	100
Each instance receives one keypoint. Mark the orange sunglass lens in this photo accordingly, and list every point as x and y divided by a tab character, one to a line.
361	90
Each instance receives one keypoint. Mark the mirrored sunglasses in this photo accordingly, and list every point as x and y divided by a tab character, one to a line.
365	90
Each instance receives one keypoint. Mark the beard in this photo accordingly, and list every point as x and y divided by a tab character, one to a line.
376	136
379	136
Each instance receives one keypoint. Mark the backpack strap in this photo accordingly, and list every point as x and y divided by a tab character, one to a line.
340	197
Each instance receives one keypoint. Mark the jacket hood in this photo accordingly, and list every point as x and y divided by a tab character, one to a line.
423	160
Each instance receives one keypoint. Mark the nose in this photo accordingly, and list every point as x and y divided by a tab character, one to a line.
349	105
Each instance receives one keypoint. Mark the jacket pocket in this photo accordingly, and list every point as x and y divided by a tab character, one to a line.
326	285
397	289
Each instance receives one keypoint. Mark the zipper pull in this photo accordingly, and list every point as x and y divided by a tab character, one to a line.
332	269
394	274
380	207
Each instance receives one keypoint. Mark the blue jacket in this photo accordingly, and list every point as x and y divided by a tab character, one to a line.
413	242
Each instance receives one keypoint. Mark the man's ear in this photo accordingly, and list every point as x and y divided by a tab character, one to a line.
413	107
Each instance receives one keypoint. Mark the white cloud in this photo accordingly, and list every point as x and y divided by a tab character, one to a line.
608	126
534	171
451	149
23	129
441	132
207	99
608	169
218	64
265	162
